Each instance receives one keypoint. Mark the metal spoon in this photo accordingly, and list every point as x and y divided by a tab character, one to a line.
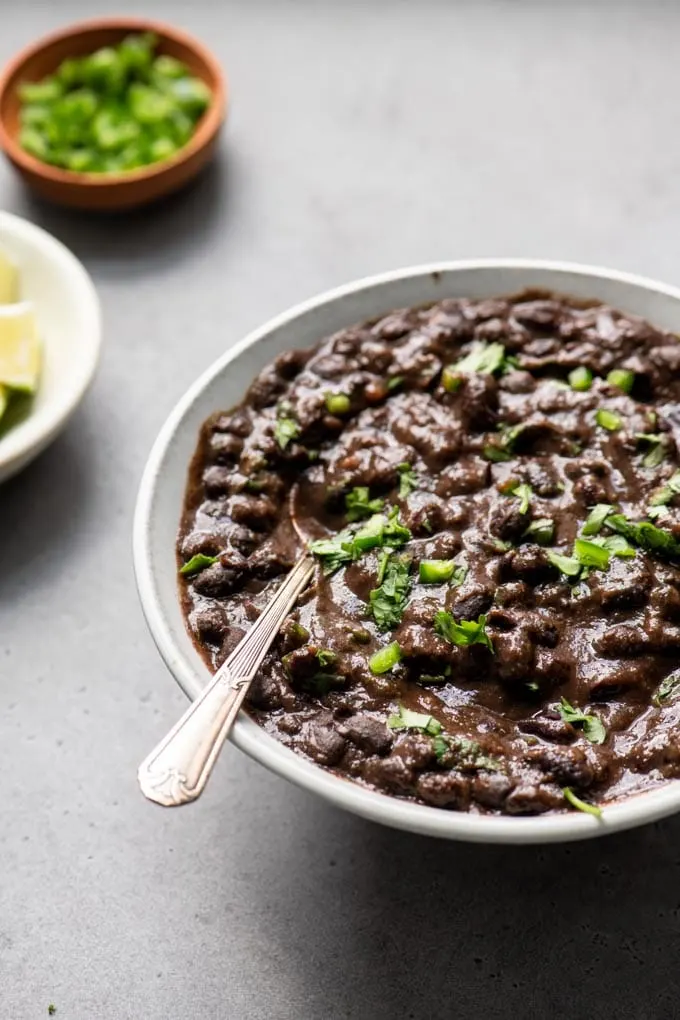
178	768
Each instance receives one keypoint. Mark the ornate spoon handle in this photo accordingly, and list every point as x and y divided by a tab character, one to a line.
178	768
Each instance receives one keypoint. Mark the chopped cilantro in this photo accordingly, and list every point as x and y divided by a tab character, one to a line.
657	443
348	545
580	805
387	602
609	420
465	632
440	746
197	563
407	480
667	689
664	495
523	492
286	429
500	545
565	564
394	383
596	518
405	719
359	504
645	535
496	454
617	545
503	450
334	552
541	531
487	358
581	379
591	725
589	554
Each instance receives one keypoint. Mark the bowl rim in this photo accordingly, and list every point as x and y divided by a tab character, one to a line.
627	813
18	446
207	128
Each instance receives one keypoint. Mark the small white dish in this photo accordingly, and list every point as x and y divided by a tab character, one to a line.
69	324
224	384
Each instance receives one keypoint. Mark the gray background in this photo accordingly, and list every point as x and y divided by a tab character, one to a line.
362	137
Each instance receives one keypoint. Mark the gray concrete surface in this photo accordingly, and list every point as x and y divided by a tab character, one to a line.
362	137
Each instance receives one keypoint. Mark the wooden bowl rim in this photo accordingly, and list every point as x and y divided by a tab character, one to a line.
207	126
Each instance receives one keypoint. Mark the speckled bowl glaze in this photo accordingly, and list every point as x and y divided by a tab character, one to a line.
223	385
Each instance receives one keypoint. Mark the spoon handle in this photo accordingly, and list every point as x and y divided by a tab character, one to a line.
178	768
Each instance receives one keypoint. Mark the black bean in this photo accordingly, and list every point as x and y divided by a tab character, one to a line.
444	789
322	742
369	734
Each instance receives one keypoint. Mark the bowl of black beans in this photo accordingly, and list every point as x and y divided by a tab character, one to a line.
111	113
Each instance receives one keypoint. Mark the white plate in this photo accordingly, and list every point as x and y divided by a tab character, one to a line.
224	384
69	324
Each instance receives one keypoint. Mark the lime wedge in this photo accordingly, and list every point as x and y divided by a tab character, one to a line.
19	348
9	281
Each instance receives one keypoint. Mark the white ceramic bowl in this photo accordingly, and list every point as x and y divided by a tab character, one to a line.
223	385
69	323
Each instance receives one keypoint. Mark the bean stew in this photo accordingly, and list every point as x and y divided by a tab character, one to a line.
492	492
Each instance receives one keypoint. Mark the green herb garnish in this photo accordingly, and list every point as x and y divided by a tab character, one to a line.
591	725
617	545
197	563
657	443
590	554
581	379
441	571
465	632
359	504
666	689
408	480
486	358
622	378
349	545
385	658
394	382
387	602
408	720
664	496
541	531
286	429
580	805
334	552
496	454
596	518
645	535
565	564
380	531
337	403
523	492
503	450
609	420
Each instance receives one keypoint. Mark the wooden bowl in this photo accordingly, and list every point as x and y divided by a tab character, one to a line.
134	187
